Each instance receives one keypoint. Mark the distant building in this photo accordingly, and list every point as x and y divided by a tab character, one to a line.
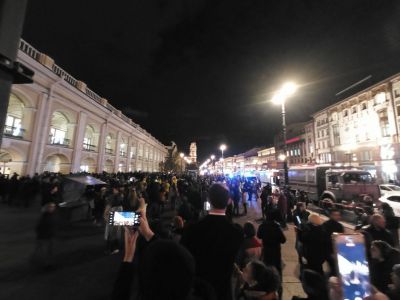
193	152
362	130
58	124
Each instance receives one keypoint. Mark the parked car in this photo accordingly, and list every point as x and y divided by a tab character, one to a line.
389	189
394	201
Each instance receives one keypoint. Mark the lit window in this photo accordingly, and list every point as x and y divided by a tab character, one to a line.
13	126
57	136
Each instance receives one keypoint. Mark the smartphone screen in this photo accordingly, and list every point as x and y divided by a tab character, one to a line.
207	206
298	220
353	266
124	218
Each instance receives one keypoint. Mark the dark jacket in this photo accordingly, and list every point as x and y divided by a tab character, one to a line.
330	227
315	246
375	234
380	271
303	216
46	226
214	243
271	234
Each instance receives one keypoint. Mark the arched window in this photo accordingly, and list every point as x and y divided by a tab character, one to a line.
58	129
122	148
345	113
89	139
14	117
109	144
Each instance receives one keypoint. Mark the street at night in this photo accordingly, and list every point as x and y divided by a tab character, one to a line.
200	150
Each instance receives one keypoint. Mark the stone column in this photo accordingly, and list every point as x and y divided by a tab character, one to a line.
128	152
118	142
101	147
78	142
37	131
43	132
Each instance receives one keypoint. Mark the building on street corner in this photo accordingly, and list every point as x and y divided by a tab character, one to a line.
58	124
363	131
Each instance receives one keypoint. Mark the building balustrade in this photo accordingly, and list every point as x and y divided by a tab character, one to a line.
15	132
109	151
59	142
89	147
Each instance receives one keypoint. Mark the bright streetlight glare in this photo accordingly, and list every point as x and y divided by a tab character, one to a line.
287	90
212	157
282	157
181	154
222	147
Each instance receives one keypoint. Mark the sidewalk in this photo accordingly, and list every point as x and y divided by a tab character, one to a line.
291	284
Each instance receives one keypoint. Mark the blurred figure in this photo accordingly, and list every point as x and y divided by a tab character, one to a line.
45	231
214	242
332	226
251	248
392	222
112	234
272	237
314	243
394	289
314	285
384	257
260	282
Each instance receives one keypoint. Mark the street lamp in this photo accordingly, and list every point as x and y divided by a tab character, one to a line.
279	98
182	155
222	148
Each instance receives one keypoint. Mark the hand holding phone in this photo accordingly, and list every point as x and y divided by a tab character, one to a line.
124	218
353	266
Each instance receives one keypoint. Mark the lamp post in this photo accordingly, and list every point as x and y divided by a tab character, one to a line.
279	98
212	161
181	155
222	148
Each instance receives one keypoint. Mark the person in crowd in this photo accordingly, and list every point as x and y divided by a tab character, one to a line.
51	196
332	226
265	192
300	219
177	228
260	282
214	242
45	231
314	285
99	205
271	234
376	230
392	222
394	289
173	192
283	208
251	248
314	243
235	196
164	269
112	234
300	214
384	257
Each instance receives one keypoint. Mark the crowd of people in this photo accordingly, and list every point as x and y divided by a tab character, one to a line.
189	246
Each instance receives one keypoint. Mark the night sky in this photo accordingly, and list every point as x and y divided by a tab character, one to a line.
197	70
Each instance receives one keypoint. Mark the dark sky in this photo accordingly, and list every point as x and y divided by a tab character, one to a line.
198	70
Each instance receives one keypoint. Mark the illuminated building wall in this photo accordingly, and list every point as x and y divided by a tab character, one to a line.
58	124
362	131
